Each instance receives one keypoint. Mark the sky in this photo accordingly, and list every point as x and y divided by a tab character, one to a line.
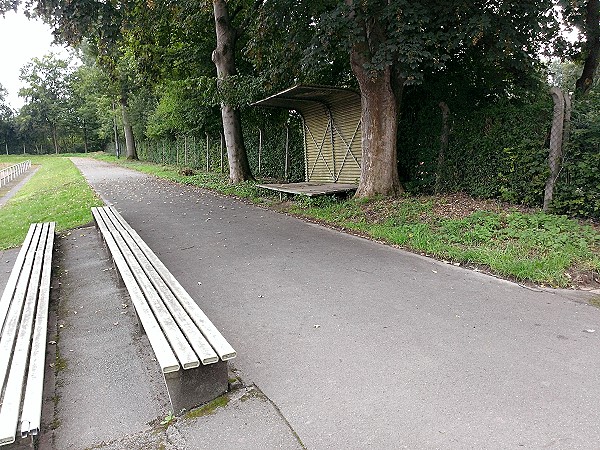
22	39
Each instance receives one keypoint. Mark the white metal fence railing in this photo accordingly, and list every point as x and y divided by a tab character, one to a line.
10	173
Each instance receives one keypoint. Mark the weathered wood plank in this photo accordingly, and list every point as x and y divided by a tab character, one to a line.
179	344
208	329
310	189
198	342
164	354
21	319
32	401
11	284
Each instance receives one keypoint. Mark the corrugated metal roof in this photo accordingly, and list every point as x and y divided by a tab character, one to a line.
297	97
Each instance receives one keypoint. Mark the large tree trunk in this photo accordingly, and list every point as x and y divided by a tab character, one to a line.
592	47
224	59
379	171
128	131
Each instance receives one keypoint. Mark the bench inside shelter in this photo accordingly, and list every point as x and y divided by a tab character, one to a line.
191	352
23	326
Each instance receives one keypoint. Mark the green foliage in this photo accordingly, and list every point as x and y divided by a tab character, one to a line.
496	151
536	247
184	107
415	38
578	189
168	420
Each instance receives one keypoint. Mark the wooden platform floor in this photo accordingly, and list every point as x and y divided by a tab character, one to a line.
311	189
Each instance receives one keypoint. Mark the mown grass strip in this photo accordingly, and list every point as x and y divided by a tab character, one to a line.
57	192
531	247
536	247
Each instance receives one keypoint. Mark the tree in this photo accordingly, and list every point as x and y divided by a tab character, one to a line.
394	44
224	58
585	16
6	119
101	25
46	93
165	30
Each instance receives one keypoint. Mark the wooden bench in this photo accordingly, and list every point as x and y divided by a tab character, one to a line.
191	352
23	325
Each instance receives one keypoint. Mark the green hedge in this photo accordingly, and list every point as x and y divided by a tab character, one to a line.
500	151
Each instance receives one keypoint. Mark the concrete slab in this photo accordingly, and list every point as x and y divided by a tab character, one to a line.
104	388
107	384
360	345
7	261
248	421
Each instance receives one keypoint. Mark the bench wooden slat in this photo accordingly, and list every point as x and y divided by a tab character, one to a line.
208	329
196	339
11	404
11	324
177	340
11	284
32	402
164	354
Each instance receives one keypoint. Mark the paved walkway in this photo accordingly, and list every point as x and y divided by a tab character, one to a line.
351	344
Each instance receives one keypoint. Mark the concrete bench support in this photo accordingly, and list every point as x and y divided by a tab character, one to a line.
191	352
23	325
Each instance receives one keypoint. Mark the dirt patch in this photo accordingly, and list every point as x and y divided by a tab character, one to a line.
459	206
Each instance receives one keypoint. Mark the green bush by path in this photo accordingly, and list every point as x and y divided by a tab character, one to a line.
56	192
536	247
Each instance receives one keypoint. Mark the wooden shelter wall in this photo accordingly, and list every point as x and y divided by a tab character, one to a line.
347	133
319	150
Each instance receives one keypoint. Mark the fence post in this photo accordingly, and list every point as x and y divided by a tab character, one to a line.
207	154
287	152
222	139
259	149
195	153
185	151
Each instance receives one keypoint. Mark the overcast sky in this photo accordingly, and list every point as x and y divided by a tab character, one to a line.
21	40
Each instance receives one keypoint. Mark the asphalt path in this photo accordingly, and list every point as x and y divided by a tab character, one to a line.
360	345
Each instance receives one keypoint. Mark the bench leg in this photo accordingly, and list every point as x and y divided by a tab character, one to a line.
192	387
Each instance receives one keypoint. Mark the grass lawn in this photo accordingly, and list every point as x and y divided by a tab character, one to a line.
512	242
57	192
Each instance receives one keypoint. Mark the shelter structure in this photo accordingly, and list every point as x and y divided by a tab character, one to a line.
331	119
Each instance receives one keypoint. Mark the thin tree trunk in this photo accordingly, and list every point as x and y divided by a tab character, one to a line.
224	59
54	138
379	104
85	143
443	146
567	121
592	47
556	142
128	131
